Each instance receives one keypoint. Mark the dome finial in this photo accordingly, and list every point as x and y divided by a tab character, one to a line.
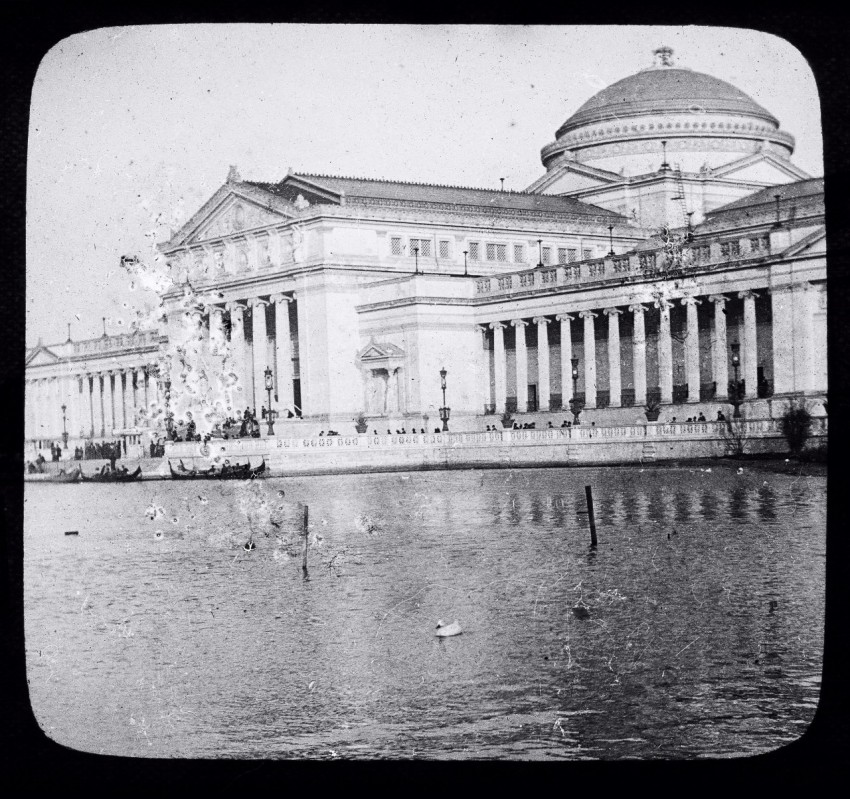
663	56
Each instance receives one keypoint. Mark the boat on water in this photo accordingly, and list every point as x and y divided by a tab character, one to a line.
112	477
61	476
240	471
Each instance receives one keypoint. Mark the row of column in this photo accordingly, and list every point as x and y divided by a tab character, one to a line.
720	372
250	367
95	403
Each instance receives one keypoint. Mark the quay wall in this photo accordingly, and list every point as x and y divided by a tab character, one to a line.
577	446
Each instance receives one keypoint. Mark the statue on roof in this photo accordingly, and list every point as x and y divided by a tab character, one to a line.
233	175
663	56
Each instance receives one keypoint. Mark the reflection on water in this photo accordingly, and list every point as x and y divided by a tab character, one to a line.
164	638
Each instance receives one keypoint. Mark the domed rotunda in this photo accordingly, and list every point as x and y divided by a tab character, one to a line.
703	120
667	120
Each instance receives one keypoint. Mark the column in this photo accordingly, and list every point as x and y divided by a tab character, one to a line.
692	348
749	353
615	384
719	356
127	388
88	405
639	352
97	404
217	338
589	359
542	361
260	356
238	360
566	359
665	352
521	366
283	351
484	366
108	404
139	397
499	365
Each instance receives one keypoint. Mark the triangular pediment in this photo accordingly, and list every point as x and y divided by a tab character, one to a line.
572	176
41	356
234	208
814	244
380	351
762	167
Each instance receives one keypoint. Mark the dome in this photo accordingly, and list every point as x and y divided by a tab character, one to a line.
704	121
665	90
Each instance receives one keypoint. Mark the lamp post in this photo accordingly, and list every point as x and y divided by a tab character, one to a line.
169	418
735	395
416	254
575	405
464	262
611	239
64	430
444	411
269	388
540	252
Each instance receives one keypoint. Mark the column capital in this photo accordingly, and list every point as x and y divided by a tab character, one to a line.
637	308
497	325
690	301
717	298
663	303
518	323
235	305
565	317
611	311
587	315
211	309
482	329
281	297
256	302
541	320
747	294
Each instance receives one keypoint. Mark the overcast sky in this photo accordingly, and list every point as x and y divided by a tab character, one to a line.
134	125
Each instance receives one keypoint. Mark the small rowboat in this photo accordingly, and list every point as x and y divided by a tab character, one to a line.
112	477
66	477
242	471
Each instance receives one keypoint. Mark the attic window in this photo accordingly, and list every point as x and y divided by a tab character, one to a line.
444	249
586	254
519	254
395	245
547	255
422	245
474	254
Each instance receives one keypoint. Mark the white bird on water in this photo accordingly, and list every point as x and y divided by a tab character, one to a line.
444	630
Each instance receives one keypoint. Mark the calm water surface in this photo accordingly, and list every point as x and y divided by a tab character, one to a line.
164	638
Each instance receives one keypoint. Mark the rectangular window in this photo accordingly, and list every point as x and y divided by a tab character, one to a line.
735	247
444	249
395	245
724	249
519	254
491	252
562	255
586	254
501	252
473	251
572	255
547	255
423	245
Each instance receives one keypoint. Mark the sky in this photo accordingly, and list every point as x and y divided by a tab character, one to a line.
132	129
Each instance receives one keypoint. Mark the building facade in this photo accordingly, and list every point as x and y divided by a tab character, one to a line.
670	240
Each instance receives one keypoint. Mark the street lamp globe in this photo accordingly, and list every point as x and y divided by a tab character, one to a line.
575	368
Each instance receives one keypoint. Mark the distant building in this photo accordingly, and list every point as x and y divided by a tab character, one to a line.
670	229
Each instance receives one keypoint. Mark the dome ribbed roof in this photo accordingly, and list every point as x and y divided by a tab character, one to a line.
665	90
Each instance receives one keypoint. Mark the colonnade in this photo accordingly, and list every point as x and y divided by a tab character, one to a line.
719	353
96	403
249	362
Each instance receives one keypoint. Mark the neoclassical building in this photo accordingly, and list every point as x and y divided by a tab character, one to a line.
669	233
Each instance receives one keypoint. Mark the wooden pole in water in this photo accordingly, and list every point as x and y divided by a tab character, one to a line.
588	492
306	541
